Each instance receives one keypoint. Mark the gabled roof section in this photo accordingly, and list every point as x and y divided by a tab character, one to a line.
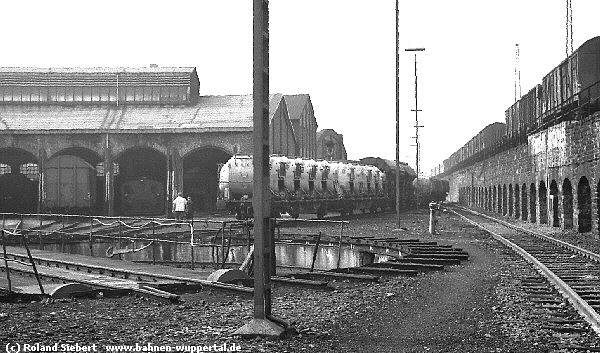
295	104
274	102
211	113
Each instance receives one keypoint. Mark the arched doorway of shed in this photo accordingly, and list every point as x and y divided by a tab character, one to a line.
554	203
517	202
140	182
532	198
584	205
542	193
72	184
524	213
567	191
19	181
200	176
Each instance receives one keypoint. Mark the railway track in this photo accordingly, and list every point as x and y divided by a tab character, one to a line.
567	284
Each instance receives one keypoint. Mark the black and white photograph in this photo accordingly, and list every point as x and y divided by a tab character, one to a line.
300	176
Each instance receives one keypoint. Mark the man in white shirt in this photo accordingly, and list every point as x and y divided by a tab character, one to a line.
179	205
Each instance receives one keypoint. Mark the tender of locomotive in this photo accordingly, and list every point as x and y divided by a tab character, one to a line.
304	186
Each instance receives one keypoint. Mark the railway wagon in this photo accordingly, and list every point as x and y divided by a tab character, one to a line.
303	186
407	175
70	185
142	196
17	193
431	189
574	83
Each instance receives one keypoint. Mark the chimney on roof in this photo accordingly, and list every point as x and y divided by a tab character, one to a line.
153	65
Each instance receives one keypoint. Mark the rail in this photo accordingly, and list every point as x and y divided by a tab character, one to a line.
590	315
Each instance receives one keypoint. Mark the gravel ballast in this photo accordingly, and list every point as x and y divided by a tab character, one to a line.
477	306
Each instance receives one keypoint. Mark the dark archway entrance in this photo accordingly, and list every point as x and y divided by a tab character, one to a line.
517	202
510	200
542	194
524	213
584	205
532	198
19	181
554	204
504	209
140	182
567	204
200	176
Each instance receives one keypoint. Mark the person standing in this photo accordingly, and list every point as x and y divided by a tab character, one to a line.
179	206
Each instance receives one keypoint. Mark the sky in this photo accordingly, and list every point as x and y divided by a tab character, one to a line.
341	52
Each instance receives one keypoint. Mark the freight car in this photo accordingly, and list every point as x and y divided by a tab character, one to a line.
304	186
142	197
17	193
430	189
571	88
70	185
569	91
407	175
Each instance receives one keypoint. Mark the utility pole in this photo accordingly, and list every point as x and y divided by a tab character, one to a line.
397	117
263	324
517	74
569	28
417	126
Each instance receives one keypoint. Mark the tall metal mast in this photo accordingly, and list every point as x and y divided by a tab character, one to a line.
417	126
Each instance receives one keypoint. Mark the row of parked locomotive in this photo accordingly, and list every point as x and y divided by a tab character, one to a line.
300	185
570	91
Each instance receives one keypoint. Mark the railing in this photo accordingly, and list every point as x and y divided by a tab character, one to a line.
6	259
132	229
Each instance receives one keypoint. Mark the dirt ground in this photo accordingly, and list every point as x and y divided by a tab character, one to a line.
471	307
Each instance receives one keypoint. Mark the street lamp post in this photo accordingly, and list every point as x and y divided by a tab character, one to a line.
417	126
397	118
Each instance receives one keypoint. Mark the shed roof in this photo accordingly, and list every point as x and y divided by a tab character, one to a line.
97	76
211	113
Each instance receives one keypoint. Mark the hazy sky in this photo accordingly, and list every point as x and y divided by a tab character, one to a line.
341	52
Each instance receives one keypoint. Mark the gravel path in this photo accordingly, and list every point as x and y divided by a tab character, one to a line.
472	307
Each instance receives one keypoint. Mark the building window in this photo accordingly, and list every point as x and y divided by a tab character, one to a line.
4	169
100	169
30	170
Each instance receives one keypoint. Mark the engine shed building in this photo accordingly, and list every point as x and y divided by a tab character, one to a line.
124	141
330	146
